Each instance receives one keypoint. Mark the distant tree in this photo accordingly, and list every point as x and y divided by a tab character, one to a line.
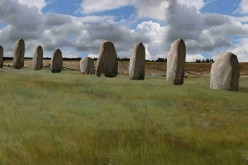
161	60
210	60
72	59
123	59
7	58
197	61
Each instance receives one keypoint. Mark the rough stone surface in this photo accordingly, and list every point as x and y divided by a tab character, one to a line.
38	58
57	61
107	63
225	73
176	63
19	52
137	63
1	56
87	66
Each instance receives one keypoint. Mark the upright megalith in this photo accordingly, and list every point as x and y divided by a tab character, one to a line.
137	63
19	52
225	73
176	63
107	61
38	58
1	56
87	66
57	61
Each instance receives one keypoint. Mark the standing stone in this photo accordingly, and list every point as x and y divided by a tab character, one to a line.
57	61
1	56
225	73
176	63
107	61
38	58
137	63
19	52
87	66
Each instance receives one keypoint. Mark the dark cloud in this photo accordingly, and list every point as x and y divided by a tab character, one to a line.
56	20
20	16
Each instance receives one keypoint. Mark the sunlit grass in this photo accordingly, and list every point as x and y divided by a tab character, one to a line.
69	118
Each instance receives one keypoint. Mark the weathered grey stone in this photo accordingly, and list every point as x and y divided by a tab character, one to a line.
107	63
57	61
19	52
38	58
87	66
1	56
225	73
176	63
137	63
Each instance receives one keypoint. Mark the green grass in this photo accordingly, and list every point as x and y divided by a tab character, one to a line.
69	118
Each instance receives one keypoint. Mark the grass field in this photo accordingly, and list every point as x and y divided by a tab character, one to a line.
69	118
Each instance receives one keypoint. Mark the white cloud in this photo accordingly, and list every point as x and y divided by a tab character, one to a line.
77	36
93	56
194	57
150	8
144	8
89	6
202	32
94	19
40	4
240	49
73	35
198	4
243	7
155	32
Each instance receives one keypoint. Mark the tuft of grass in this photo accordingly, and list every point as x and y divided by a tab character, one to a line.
69	118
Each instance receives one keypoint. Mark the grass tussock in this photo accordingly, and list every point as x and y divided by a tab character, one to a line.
69	118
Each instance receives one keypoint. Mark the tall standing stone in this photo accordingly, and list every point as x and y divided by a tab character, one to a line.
19	52
137	63
38	58
57	61
87	66
1	56
107	63
225	73
176	63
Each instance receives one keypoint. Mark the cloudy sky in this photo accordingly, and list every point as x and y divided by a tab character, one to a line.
78	27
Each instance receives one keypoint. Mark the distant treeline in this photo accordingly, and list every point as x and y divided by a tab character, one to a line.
46	58
158	60
210	60
94	59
